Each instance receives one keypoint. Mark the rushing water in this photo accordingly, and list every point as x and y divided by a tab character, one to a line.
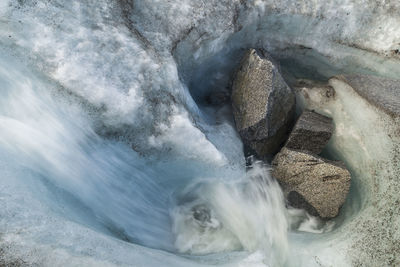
52	157
109	153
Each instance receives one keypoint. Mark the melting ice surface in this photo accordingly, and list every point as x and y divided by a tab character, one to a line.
56	168
109	155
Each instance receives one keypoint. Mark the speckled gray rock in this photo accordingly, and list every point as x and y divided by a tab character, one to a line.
263	104
318	185
382	92
311	132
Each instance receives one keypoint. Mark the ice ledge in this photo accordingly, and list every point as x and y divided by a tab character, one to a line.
381	92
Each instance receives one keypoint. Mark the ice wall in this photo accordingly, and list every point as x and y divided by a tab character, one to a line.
135	75
121	55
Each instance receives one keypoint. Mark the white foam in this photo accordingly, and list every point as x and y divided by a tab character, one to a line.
132	72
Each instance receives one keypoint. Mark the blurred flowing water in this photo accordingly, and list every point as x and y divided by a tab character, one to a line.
109	152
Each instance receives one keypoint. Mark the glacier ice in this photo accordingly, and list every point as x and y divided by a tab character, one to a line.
104	122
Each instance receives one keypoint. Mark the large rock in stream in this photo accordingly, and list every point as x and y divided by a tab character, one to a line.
311	132
313	183
263	104
366	111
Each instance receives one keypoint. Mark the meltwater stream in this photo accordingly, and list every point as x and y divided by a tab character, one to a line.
110	154
55	167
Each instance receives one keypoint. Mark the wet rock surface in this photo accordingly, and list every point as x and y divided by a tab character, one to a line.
316	184
263	108
202	214
311	132
263	104
367	138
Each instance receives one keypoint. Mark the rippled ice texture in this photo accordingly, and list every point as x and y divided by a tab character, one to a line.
105	137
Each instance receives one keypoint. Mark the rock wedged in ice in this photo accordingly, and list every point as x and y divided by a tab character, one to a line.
311	132
263	104
135	67
367	138
318	185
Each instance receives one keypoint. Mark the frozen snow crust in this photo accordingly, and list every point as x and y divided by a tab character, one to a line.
82	83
